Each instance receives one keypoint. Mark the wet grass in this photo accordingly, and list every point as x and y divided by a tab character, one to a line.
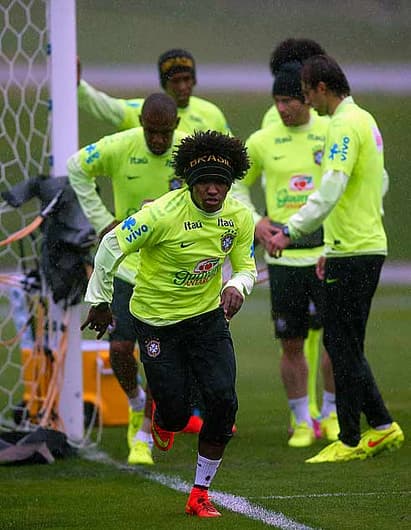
258	464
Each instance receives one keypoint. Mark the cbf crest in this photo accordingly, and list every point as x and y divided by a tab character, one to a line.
153	347
318	156
227	240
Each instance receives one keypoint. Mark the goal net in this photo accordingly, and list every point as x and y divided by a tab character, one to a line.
40	361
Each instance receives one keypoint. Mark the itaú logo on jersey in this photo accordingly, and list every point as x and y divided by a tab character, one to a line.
138	160
301	183
202	273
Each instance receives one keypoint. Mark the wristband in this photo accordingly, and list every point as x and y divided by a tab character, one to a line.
286	231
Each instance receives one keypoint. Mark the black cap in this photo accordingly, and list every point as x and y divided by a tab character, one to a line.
287	81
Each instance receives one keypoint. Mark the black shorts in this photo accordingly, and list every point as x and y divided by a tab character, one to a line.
197	350
123	319
294	291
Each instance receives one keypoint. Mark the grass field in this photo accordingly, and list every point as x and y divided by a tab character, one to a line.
258	467
240	30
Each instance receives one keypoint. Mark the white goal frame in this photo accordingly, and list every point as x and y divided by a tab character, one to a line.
64	142
41	361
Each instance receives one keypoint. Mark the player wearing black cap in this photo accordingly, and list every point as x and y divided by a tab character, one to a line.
288	51
289	155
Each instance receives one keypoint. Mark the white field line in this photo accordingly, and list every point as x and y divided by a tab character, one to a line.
321	495
231	502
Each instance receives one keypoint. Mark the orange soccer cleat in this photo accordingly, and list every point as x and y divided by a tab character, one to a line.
200	505
163	439
194	425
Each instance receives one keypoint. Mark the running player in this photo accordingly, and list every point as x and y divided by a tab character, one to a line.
180	311
177	75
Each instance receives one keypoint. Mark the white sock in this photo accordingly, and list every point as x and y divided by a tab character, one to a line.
205	471
300	409
328	404
137	403
143	437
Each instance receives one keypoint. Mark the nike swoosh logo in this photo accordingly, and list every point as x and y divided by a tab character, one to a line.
331	280
185	245
159	441
133	177
374	443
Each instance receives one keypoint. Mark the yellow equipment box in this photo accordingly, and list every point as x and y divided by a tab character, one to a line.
101	389
100	386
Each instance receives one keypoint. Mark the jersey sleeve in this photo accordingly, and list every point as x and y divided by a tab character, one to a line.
137	230
342	147
131	109
106	262
82	168
99	104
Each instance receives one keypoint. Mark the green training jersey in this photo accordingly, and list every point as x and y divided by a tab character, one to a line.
182	251
354	146
137	176
199	115
290	160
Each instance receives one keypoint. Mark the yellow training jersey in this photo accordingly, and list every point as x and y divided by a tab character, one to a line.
182	251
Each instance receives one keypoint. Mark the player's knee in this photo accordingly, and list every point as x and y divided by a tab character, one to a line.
215	439
173	418
289	327
219	420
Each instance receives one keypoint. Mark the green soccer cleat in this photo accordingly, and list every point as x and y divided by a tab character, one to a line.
303	435
135	421
330	427
375	441
338	452
140	454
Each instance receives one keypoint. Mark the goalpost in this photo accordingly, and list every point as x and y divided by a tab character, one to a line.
40	131
64	142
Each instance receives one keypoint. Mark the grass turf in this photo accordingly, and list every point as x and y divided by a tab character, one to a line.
258	464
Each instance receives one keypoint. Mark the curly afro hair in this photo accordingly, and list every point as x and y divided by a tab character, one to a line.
203	143
292	49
